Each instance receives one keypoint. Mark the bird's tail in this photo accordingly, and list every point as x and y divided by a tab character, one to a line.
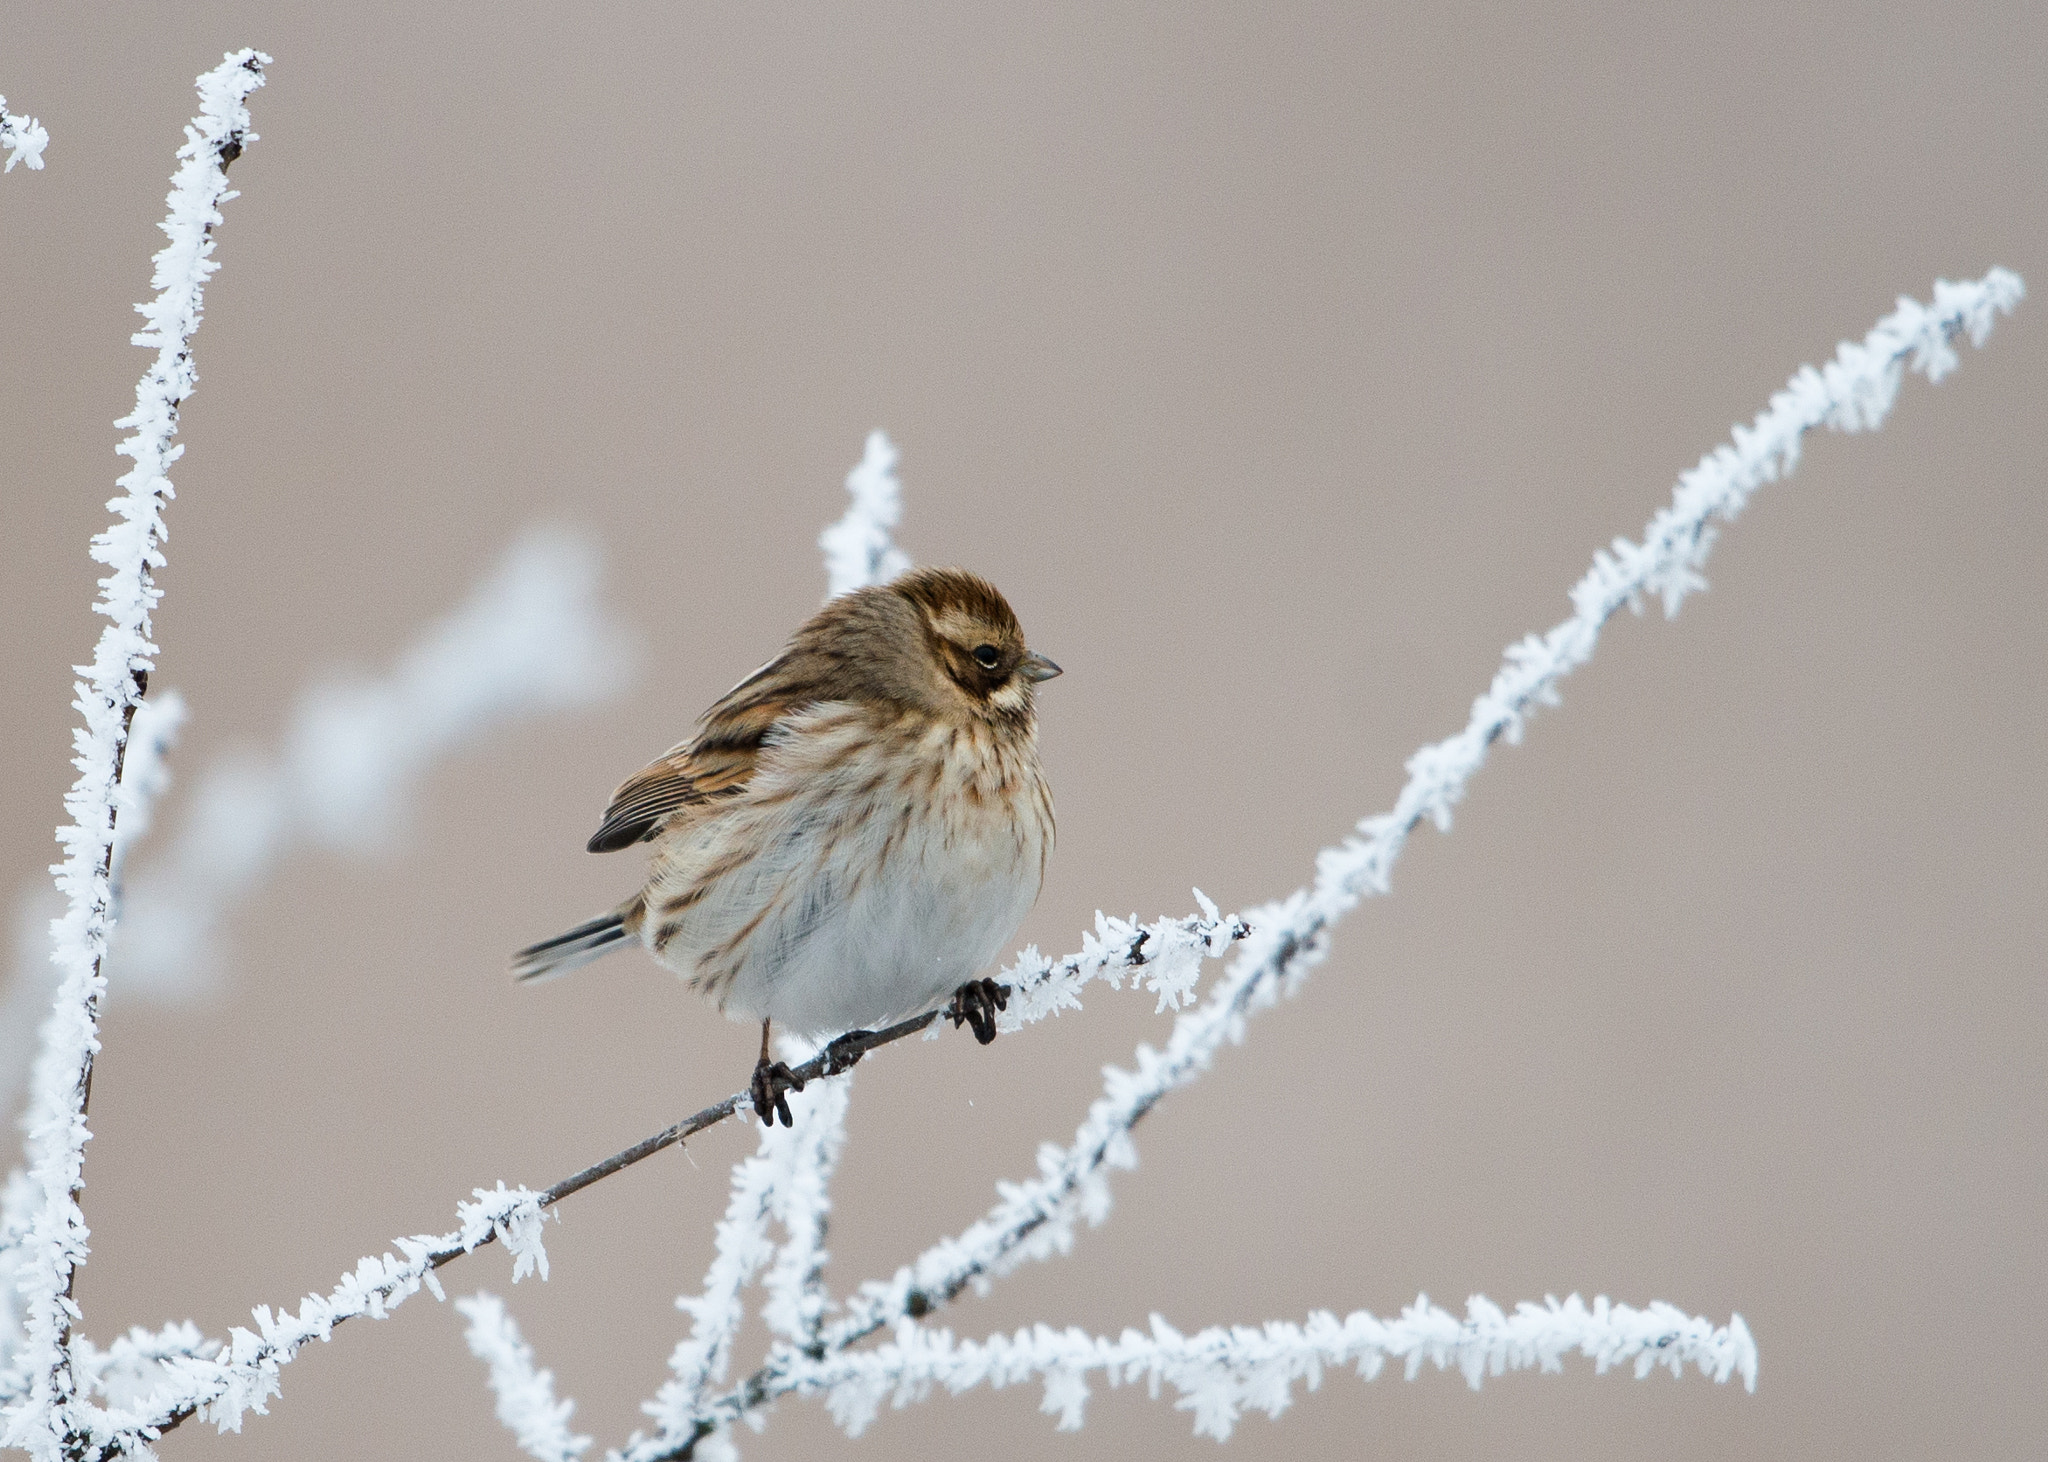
577	948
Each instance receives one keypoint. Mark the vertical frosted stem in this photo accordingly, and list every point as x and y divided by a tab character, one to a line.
53	1421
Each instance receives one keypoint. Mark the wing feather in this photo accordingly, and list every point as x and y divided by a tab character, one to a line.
689	777
716	765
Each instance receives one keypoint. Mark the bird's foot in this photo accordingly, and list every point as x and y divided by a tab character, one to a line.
975	1004
773	1080
844	1053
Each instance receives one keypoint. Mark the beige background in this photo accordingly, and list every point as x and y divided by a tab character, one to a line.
1282	364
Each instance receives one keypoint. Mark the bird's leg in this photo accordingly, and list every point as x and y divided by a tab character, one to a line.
772	1081
975	1004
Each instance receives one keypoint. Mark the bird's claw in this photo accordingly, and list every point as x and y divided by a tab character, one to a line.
772	1083
975	1004
844	1053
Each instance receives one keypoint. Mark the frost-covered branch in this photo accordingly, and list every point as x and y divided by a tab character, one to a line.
23	137
144	775
787	1182
222	1383
1221	1373
525	1395
1288	938
153	1382
1282	942
1036	1218
797	1301
152	730
52	1420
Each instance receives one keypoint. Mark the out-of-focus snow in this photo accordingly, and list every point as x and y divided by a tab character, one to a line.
532	639
858	548
525	1395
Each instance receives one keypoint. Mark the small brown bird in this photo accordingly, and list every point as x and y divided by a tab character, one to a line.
857	829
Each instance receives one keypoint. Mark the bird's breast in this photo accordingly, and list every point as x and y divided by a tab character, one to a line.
867	872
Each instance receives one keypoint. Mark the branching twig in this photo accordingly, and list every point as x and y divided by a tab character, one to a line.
1288	938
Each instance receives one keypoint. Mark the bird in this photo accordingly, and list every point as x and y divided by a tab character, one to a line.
854	832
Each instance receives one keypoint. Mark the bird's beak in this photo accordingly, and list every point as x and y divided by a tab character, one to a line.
1035	667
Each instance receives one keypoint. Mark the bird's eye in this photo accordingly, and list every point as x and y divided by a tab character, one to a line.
986	656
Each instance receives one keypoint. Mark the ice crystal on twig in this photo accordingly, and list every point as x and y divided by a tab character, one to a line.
23	137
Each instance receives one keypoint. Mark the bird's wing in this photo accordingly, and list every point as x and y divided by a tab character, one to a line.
686	777
715	765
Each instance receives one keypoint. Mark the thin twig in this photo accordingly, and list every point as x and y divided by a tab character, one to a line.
842	1055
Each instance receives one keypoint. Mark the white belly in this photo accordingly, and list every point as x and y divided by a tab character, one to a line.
831	896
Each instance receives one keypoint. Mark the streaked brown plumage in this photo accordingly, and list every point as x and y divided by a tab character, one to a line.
858	827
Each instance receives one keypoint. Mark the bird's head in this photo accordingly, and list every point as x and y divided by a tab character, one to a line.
972	643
